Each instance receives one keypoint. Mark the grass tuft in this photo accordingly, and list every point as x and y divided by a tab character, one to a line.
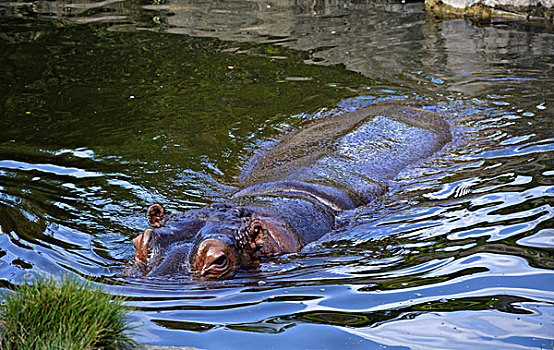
69	314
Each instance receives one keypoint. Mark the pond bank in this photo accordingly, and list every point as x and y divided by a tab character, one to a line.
157	347
542	10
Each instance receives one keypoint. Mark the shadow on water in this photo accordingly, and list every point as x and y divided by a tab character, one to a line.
110	106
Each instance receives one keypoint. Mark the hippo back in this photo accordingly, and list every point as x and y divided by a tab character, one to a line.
355	152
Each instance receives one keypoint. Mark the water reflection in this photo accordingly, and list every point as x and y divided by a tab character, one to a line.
471	329
433	54
111	106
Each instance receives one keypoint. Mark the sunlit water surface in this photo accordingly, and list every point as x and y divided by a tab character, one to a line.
109	107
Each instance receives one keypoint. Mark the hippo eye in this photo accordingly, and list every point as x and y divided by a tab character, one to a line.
221	261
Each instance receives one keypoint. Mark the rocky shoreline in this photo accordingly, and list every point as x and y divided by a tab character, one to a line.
159	347
534	10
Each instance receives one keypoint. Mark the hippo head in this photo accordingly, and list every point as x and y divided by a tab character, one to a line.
212	242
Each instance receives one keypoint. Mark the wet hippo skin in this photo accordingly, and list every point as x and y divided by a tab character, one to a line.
293	192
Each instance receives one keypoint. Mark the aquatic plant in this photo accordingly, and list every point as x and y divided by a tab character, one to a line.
64	314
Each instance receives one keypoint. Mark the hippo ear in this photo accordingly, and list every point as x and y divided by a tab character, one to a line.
256	231
155	215
268	235
141	244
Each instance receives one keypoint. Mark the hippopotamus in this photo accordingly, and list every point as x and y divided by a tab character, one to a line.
292	194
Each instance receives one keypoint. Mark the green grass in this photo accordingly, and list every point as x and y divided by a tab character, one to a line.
66	314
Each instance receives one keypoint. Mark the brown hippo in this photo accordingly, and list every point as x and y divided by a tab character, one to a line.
292	193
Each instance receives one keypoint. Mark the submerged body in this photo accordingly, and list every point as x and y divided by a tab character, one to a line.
293	192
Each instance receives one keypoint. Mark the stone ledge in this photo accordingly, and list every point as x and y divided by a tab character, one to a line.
493	9
159	347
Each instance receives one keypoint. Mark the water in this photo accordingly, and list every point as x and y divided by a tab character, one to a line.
109	107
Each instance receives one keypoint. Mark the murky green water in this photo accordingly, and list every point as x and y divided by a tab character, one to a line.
108	107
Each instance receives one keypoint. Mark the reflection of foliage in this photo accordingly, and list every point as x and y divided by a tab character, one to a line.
21	222
502	303
189	326
337	318
505	303
150	96
277	324
413	281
